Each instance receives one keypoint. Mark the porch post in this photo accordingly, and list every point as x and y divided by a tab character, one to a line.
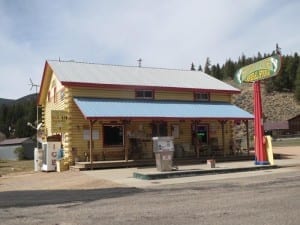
126	149
91	142
247	130
125	123
223	136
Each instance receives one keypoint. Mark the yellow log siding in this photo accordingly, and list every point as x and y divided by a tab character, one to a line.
103	93
55	101
173	95
219	97
130	94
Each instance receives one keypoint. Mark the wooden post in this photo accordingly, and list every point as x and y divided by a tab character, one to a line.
223	136
247	130
125	147
91	142
125	123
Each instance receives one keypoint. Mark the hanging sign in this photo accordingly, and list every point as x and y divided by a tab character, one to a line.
260	70
59	120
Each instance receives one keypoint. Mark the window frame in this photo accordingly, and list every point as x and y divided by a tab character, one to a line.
54	95
49	96
198	96
159	129
206	130
105	144
144	94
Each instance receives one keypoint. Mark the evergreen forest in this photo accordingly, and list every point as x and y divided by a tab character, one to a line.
14	116
288	79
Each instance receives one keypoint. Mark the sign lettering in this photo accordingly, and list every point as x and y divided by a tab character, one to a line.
260	70
59	120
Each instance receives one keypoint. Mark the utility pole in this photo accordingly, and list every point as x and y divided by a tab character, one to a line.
37	109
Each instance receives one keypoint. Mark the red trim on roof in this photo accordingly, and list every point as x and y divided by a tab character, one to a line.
120	86
164	118
42	82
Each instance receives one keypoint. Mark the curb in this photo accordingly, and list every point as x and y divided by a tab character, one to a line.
177	174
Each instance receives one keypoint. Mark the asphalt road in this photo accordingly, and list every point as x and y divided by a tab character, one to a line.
273	198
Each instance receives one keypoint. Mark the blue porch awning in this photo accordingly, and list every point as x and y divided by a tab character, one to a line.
96	108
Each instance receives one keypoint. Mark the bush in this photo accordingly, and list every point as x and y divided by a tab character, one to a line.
20	152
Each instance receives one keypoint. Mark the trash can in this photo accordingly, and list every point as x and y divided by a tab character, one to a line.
59	160
163	148
211	163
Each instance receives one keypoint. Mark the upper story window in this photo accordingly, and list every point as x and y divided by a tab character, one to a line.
202	97
54	95
49	96
144	94
62	94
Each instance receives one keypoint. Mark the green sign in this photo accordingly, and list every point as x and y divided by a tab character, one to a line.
260	70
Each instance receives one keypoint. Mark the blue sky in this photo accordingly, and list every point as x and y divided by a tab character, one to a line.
164	33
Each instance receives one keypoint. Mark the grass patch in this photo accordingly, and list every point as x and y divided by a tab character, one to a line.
285	142
9	166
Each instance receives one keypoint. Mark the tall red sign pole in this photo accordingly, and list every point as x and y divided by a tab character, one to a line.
259	140
254	73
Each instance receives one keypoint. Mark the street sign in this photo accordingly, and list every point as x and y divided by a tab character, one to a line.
260	70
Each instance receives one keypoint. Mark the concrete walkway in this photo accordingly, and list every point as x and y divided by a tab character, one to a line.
125	176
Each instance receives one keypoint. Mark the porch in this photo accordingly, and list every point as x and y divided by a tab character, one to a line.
122	130
80	166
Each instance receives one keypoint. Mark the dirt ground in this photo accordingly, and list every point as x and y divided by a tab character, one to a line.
51	181
76	180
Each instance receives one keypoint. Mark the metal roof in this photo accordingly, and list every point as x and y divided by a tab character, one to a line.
70	72
93	108
14	141
276	125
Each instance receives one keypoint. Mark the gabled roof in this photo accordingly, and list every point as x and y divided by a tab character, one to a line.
96	108
276	125
294	117
14	141
87	74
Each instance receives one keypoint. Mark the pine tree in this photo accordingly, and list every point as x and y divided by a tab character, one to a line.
200	68
218	74
207	66
228	69
193	67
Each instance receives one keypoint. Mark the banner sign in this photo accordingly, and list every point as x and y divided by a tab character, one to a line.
260	70
59	120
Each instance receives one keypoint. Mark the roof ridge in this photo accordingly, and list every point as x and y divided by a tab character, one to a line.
119	65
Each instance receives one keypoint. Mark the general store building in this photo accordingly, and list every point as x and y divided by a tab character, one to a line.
108	112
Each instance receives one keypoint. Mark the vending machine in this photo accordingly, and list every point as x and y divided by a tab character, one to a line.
50	150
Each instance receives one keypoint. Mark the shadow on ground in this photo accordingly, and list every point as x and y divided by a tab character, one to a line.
48	197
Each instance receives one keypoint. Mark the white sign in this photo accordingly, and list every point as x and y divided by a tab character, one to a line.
86	134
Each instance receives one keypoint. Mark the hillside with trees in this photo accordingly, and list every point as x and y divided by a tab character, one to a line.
287	81
14	115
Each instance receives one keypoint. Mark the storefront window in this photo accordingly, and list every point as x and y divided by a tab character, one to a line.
159	129
202	133
113	135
